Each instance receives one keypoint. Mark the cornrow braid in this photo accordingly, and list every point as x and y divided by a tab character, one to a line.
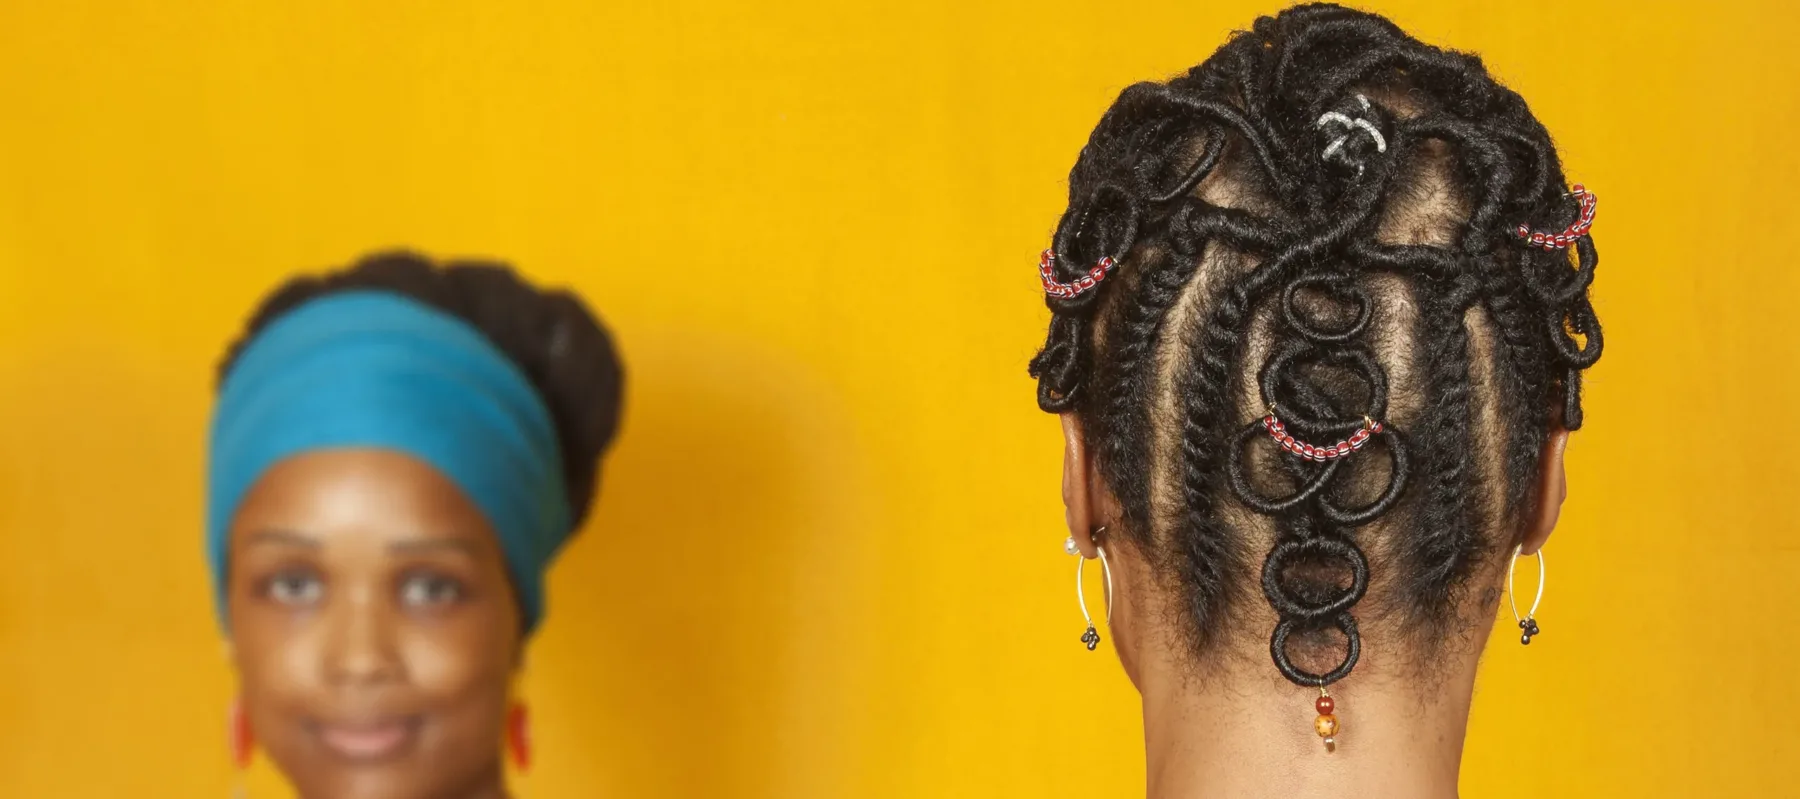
1323	207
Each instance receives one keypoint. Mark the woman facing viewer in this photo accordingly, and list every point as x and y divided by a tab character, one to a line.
1320	316
397	452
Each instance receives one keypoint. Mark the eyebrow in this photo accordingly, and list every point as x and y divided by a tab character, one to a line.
289	538
283	538
433	544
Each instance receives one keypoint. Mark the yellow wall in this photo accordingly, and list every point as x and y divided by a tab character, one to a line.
827	561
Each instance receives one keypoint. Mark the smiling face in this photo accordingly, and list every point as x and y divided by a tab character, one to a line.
374	627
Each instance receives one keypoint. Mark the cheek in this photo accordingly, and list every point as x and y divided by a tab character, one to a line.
464	680
463	668
280	676
276	657
452	663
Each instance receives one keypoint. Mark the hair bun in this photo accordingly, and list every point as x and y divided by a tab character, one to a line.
565	351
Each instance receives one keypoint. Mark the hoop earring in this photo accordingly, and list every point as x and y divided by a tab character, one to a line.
1528	625
1092	637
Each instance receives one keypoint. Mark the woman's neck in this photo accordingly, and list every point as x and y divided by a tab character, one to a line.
487	788
1233	742
1253	736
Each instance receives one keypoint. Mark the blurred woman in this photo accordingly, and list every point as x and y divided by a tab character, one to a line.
397	452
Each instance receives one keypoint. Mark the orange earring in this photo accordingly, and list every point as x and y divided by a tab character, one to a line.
243	745
238	733
518	736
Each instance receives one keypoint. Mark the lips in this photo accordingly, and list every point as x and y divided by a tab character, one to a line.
371	740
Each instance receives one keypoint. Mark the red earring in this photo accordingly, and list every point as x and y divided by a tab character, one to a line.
238	734
518	736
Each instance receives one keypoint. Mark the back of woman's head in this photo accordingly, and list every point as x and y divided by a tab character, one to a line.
1320	225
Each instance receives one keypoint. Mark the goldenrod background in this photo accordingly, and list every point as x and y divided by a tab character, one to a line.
827	560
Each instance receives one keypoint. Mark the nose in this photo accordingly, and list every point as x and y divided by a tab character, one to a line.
360	647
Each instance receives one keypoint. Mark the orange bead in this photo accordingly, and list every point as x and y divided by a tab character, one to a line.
1326	725
1325	705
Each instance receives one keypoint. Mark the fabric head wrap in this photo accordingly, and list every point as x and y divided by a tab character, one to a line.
376	369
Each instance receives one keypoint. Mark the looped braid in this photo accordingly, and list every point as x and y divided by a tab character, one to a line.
1314	124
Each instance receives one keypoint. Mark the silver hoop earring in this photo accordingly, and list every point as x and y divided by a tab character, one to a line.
1092	637
1528	625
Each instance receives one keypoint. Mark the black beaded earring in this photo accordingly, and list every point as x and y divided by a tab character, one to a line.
1528	625
1091	638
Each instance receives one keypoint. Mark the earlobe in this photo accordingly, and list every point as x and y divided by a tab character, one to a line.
1077	512
1553	488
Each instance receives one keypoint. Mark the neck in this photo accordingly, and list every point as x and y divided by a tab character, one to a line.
1252	736
487	783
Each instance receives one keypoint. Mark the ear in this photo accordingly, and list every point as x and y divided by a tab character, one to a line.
1553	487
1078	511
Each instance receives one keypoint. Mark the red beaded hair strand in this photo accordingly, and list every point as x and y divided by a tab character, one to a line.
1577	229
1075	288
1279	432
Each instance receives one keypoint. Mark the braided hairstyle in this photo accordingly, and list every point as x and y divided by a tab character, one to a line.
550	335
1320	221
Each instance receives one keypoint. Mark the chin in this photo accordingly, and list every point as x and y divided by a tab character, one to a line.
378	782
413	776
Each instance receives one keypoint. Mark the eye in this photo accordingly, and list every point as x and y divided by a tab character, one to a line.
295	588
430	590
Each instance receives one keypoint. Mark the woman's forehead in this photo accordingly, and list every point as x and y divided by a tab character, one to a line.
361	493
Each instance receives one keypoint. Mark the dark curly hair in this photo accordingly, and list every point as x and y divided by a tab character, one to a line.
550	335
1320	219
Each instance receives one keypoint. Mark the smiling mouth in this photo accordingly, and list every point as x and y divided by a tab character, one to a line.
368	741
